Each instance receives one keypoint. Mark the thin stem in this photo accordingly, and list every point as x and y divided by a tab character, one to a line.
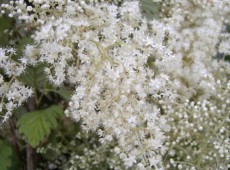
29	149
103	52
15	141
43	93
29	156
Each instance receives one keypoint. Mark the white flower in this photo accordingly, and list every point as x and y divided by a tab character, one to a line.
80	92
129	161
131	120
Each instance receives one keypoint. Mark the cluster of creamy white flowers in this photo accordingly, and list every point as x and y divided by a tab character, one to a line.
12	91
113	84
132	76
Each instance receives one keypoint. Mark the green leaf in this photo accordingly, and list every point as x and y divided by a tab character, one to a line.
64	92
227	58
22	42
34	76
5	155
35	126
228	28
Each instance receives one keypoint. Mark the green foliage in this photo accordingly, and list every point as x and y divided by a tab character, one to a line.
35	126
228	28
34	76
64	92
10	35
5	24
5	155
150	9
227	58
82	150
22	42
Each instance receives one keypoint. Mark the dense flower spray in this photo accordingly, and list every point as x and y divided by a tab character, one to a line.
13	93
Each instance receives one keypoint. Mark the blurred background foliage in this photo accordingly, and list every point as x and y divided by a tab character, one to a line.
150	9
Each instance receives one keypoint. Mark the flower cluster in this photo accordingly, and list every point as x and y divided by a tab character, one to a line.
113	84
198	138
199	135
12	91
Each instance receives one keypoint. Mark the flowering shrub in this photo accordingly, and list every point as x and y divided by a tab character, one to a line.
147	84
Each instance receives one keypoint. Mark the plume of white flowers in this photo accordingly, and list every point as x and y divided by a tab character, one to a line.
113	84
12	92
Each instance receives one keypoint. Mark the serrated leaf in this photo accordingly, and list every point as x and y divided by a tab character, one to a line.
34	76
35	126
5	155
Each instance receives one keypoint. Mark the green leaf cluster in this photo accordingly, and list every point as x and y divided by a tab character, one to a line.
8	160
5	155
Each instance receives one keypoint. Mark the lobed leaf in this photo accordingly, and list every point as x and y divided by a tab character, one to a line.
35	126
